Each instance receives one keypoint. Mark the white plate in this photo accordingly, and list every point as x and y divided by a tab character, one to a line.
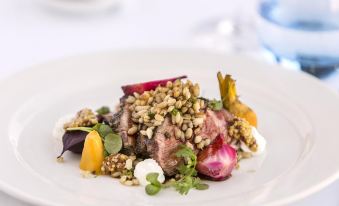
297	115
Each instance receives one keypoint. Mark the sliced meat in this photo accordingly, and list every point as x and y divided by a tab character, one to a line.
163	146
125	123
215	123
141	146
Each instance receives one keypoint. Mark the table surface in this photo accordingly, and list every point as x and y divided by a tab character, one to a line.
32	33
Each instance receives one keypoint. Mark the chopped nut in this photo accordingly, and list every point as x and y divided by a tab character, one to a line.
197	139
189	133
84	118
130	99
129	164
132	130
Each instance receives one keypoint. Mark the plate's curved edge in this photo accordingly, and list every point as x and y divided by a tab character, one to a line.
8	189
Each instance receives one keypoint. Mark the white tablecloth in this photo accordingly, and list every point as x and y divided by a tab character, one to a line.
31	34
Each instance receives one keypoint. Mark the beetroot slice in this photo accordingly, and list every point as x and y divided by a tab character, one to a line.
147	86
217	160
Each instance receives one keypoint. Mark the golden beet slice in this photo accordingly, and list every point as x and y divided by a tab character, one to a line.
93	153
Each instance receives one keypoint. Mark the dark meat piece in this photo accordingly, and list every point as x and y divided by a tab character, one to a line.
162	148
215	123
141	146
125	122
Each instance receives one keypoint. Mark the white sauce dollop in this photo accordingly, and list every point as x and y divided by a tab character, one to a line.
147	166
58	130
260	140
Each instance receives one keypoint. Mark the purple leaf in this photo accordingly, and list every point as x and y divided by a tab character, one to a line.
73	141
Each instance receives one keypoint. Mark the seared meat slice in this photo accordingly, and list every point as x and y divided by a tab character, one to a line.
163	146
141	146
125	122
215	123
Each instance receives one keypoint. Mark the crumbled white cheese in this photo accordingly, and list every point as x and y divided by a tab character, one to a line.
147	166
260	140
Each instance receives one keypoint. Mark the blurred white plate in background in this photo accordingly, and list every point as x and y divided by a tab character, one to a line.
81	6
297	115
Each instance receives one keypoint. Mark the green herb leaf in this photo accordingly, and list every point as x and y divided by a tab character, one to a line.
103	110
184	185
106	153
112	143
152	189
215	105
103	130
197	184
201	186
174	111
85	129
153	178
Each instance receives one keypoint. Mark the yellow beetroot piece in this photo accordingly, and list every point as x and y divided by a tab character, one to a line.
231	102
93	153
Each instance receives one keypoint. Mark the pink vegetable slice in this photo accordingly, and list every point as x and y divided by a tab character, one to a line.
147	86
217	161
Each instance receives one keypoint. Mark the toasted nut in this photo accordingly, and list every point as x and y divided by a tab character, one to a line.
177	118
136	95
171	101
157	123
189	133
178	104
129	164
123	179
149	133
141	108
201	145
184	109
202	103
128	183
143	132
197	139
130	99
196	90
186	92
196	107
162	105
184	127
150	100
135	182
116	174
132	130
177	132
159	118
170	108
198	121
197	131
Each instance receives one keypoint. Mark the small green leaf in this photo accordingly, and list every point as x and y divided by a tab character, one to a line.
85	129
103	110
152	189
174	111
215	105
201	186
103	129
153	178
106	153
113	143
197	184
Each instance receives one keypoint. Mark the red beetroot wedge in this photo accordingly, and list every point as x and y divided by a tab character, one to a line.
147	86
217	160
